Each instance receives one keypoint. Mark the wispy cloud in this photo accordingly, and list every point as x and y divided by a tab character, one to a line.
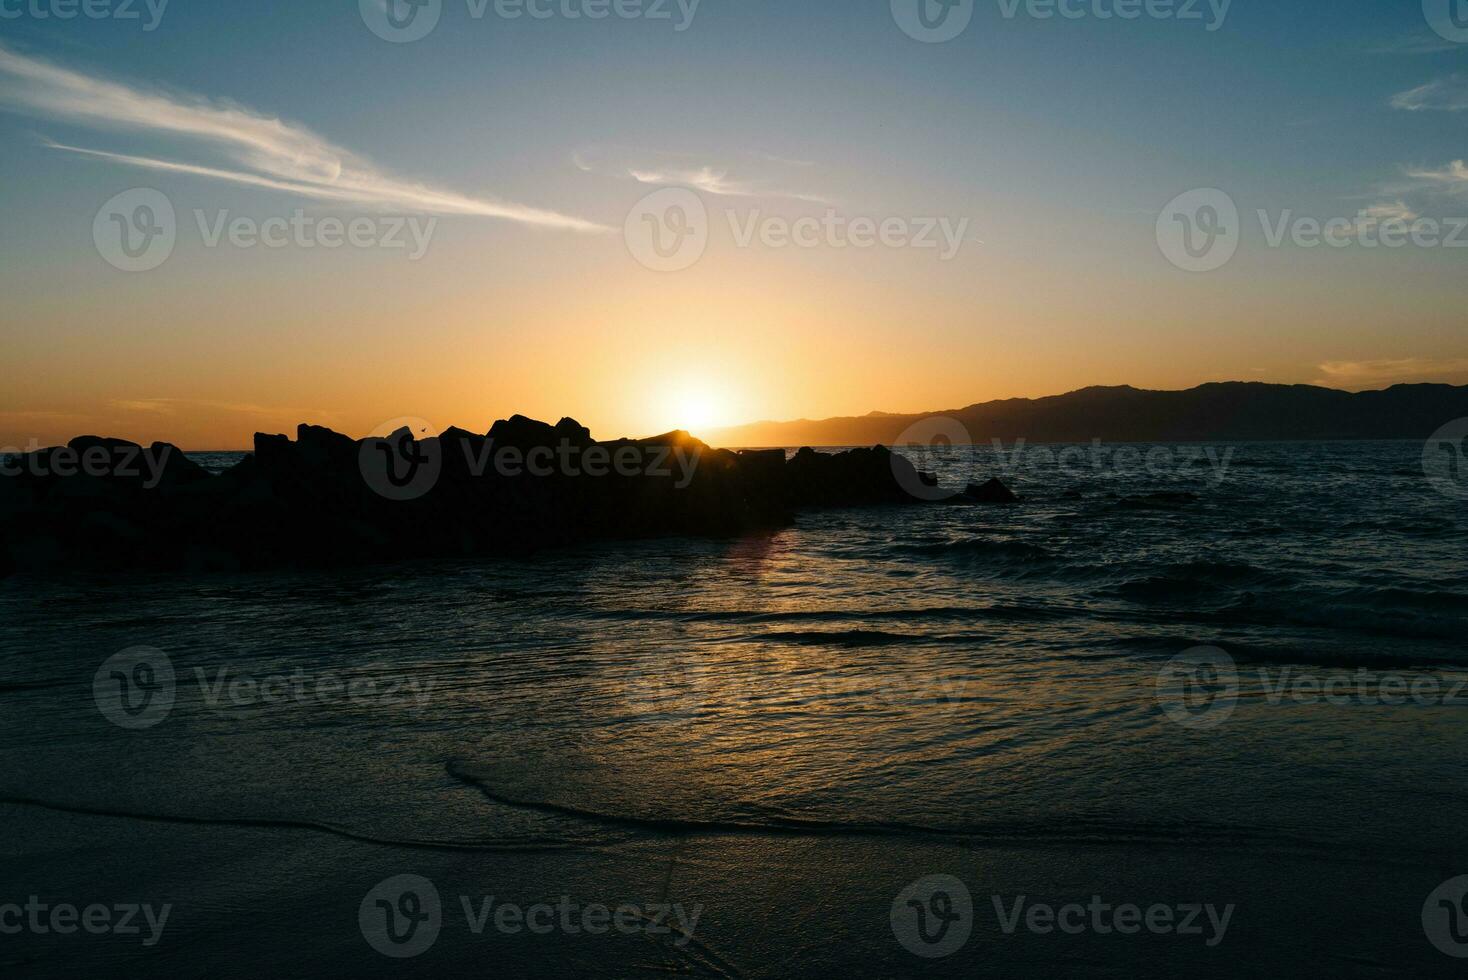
1383	212
764	175
170	406
1393	211
1419	187
1454	174
1418	190
704	178
1447	184
1448	94
787	161
256	149
39	415
1356	375
158	406
1416	44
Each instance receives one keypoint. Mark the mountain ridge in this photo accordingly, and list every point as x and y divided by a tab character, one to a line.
1223	411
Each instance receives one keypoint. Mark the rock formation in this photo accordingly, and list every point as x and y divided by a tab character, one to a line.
324	498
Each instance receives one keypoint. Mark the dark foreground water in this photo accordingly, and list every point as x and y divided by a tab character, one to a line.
899	742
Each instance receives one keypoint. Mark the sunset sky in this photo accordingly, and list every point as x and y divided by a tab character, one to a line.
1058	141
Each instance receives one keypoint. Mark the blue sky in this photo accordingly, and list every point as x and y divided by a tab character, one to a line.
1060	140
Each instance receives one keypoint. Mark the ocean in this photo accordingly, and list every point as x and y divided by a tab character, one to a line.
1231	677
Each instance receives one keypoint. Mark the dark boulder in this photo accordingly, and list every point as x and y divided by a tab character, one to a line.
858	476
326	499
573	432
318	446
992	492
523	433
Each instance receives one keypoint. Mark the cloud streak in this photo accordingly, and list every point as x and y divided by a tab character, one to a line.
258	150
1448	94
1422	184
1387	211
1448	184
1454	175
665	169
195	406
1371	374
1384	212
1416	44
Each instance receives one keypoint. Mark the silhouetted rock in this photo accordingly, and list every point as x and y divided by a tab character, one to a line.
578	434
95	500
273	453
992	492
523	432
177	468
83	444
860	476
325	498
321	447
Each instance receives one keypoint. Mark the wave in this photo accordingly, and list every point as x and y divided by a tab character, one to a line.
1265	649
976	548
1351	616
1390	597
10	687
843	638
1412	526
1000	611
1195	579
1069	830
277	823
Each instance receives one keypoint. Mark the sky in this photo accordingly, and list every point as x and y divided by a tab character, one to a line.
694	215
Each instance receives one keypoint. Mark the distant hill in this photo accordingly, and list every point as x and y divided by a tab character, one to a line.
1227	411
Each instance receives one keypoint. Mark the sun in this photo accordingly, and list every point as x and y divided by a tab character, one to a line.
695	407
